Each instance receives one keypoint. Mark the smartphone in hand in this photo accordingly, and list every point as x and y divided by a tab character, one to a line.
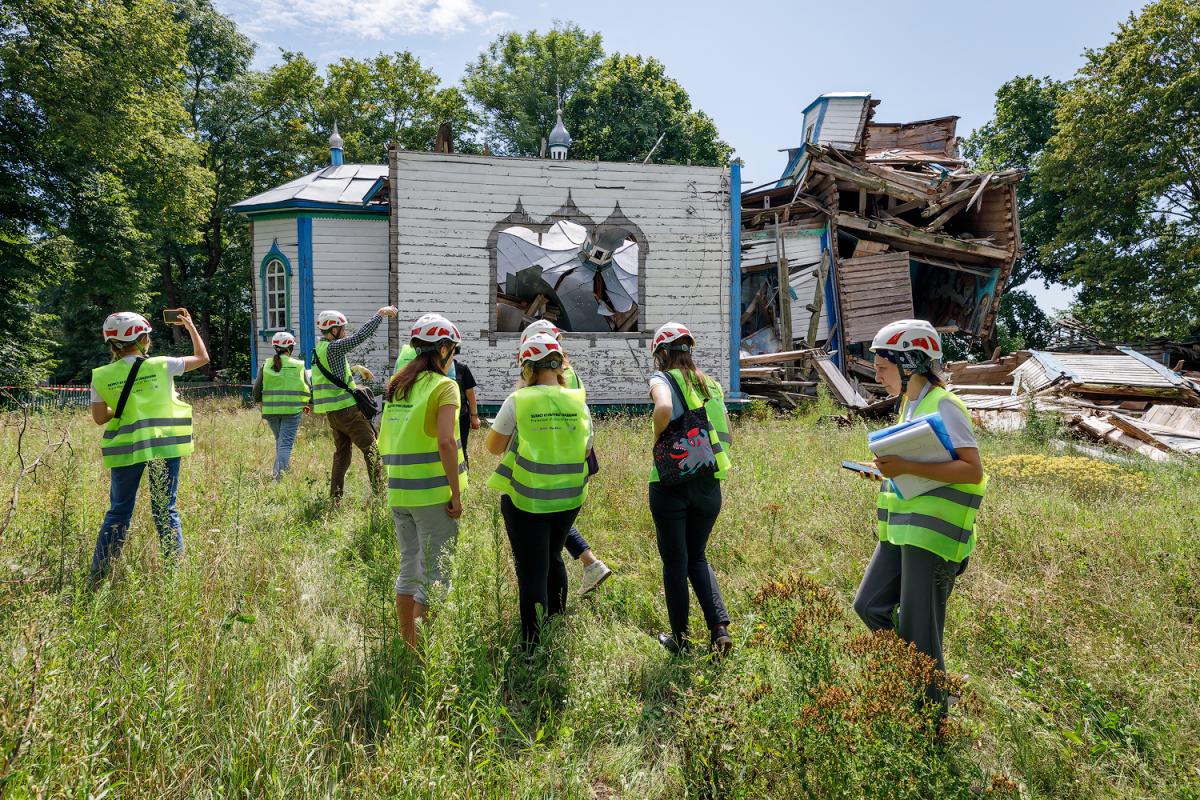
171	316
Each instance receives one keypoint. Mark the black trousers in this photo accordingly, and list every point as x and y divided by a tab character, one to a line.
537	543
464	430
906	588
684	515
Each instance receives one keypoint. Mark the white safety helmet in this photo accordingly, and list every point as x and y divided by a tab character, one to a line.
537	347
541	326
124	326
283	340
435	328
331	319
908	335
672	336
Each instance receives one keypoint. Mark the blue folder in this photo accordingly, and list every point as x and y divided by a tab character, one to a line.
935	422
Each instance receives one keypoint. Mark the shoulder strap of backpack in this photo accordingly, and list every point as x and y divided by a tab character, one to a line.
127	388
677	390
338	382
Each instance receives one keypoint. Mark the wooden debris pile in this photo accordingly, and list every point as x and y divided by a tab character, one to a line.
1120	398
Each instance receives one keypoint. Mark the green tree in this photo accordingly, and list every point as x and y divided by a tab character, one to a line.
392	98
517	82
94	136
628	104
1016	137
1125	159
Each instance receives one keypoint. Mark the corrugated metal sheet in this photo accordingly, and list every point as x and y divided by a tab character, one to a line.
1044	368
346	185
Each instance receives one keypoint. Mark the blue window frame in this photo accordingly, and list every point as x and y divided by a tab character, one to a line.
275	280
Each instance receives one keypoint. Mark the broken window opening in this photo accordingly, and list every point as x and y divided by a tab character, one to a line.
581	278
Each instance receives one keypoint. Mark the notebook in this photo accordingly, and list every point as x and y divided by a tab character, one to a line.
922	439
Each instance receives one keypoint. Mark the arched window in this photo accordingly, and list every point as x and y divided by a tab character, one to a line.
275	277
275	290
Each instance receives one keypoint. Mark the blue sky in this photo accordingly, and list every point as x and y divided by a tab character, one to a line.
752	66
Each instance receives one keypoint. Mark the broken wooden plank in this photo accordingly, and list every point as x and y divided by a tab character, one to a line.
778	358
921	239
842	391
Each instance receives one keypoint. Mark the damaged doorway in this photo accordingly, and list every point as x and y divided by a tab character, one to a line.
580	275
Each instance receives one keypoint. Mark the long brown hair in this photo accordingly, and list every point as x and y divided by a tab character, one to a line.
682	360
402	382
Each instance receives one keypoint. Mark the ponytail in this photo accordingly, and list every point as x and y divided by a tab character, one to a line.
277	364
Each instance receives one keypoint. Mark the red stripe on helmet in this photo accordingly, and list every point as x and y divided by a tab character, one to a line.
895	337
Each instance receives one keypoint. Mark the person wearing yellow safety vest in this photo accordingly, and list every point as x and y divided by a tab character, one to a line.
426	470
145	423
685	512
595	571
282	391
924	541
543	432
347	424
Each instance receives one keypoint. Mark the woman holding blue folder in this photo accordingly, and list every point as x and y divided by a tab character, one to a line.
924	541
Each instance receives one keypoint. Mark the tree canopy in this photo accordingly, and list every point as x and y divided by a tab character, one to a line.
1112	200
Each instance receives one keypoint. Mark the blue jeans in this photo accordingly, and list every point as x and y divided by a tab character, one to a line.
284	426
122	495
576	544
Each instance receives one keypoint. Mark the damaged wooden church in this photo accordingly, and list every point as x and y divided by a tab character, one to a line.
872	222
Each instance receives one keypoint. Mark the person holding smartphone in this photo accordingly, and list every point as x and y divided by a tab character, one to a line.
924	541
145	423
426	467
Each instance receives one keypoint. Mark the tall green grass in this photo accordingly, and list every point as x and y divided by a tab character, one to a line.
267	664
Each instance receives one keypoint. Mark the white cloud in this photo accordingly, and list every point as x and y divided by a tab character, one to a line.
364	19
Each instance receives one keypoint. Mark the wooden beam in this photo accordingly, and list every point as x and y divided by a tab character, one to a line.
944	243
863	180
946	215
949	199
814	321
785	289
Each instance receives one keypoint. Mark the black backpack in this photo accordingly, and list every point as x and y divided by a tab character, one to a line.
684	450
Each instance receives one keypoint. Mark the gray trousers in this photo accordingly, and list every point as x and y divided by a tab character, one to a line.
427	536
914	584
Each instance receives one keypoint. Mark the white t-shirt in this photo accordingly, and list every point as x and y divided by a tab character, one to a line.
957	423
505	422
174	370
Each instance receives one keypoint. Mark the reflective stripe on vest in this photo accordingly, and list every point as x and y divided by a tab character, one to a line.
718	421
414	464
545	467
941	521
286	391
155	422
327	396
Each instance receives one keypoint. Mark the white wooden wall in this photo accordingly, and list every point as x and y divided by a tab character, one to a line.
842	126
447	204
265	232
350	274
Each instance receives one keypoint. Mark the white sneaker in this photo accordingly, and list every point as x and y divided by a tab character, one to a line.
594	574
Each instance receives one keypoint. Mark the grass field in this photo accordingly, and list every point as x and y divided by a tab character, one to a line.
267	665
